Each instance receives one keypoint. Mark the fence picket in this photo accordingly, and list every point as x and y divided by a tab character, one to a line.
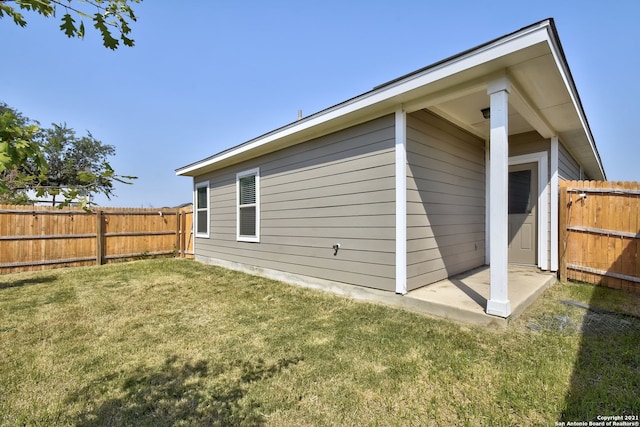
633	228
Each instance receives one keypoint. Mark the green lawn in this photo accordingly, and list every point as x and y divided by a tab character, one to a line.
174	342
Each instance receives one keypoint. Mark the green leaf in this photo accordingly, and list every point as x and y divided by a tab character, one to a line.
127	41
86	177
18	19
107	38
112	19
68	25
43	7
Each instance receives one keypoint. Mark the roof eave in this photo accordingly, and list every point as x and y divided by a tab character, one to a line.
595	168
384	99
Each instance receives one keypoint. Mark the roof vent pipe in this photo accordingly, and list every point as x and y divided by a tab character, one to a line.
299	114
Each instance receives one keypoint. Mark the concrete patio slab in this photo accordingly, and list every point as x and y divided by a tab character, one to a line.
464	297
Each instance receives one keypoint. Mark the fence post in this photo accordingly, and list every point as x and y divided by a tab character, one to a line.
178	213
99	237
564	233
183	238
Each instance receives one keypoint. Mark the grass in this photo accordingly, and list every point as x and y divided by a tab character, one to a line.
174	342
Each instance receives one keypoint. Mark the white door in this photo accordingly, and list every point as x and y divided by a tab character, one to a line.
523	198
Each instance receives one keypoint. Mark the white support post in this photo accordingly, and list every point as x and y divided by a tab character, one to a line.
401	202
498	303
487	202
554	203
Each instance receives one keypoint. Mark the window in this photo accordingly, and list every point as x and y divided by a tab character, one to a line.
202	209
248	214
520	192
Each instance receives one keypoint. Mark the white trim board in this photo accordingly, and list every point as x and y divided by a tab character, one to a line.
487	200
401	201
555	204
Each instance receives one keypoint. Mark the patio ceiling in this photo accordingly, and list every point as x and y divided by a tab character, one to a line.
542	102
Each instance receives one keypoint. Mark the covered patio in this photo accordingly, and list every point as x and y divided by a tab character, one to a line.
461	298
464	297
517	95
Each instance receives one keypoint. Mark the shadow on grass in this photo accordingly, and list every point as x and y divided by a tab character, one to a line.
26	282
181	394
606	375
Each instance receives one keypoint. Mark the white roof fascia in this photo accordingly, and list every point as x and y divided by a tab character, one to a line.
517	41
563	69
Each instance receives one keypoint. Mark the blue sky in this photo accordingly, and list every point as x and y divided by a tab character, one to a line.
207	75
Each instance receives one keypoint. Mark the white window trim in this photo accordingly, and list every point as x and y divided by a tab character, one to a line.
197	186
256	238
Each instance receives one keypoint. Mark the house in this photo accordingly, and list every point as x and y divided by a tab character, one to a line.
48	199
448	168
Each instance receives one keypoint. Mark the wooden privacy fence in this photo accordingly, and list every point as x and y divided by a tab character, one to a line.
39	237
600	233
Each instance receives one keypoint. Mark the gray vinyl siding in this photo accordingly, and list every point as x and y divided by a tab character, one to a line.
568	168
527	143
445	200
335	189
